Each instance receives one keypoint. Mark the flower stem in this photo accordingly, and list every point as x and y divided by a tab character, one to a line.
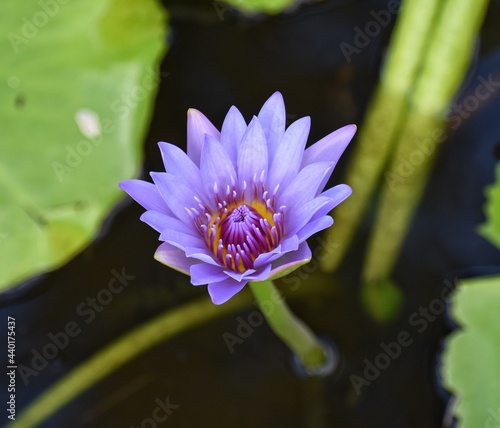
454	38
386	116
296	335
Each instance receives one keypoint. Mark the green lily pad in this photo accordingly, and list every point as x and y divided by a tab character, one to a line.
471	366
491	229
77	85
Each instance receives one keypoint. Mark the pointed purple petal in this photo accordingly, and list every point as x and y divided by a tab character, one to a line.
337	194
287	245
304	186
232	132
316	208
252	154
145	194
173	257
179	164
268	258
181	240
261	274
202	254
238	276
197	126
304	213
204	274
329	148
291	261
221	292
314	227
288	158
177	195
160	222
272	117
216	166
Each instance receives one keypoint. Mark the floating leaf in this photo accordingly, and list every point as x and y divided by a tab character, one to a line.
491	229
77	83
471	361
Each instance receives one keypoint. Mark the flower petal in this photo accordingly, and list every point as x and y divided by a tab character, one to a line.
261	274
202	254
233	129
304	186
173	257
220	292
197	126
202	273
181	240
272	117
177	195
286	163
160	222
179	164
146	194
329	148
337	194
287	245
314	227
238	276
291	261
216	167
252	154
304	213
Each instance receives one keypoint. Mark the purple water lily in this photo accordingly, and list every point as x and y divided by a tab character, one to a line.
242	202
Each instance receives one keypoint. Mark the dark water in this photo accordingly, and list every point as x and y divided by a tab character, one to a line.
219	58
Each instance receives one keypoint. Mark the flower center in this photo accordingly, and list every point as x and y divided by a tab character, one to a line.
238	224
243	227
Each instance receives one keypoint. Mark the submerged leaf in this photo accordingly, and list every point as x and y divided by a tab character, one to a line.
382	300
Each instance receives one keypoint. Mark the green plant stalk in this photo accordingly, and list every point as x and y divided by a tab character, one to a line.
449	55
296	335
411	38
444	69
365	167
134	343
386	114
400	194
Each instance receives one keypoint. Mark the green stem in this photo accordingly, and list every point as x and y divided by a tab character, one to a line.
448	57
296	335
442	73
165	326
428	58
386	116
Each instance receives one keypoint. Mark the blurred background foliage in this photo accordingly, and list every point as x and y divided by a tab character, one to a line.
78	84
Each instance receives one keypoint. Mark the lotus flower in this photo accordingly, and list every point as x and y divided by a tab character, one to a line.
239	206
